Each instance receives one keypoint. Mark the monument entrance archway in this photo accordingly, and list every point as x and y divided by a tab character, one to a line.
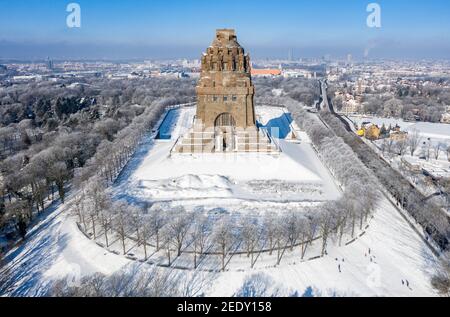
224	127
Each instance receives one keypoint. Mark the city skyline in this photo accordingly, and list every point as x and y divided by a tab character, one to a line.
176	29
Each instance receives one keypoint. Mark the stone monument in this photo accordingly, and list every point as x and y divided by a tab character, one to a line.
225	117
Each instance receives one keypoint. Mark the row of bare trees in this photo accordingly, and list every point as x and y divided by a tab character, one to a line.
42	173
430	216
111	156
413	143
441	278
132	281
175	231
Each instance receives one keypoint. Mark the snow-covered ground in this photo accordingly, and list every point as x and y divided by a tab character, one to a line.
439	132
230	181
375	264
396	254
57	248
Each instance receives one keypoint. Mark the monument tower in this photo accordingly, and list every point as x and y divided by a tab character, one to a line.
225	117
225	90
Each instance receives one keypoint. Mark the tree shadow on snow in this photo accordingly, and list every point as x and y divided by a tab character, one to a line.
25	277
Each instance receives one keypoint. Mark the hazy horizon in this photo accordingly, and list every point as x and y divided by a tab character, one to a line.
118	30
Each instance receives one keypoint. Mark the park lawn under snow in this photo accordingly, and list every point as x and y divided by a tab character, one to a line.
232	181
56	247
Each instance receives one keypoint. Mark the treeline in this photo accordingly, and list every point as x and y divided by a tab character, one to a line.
44	101
132	281
431	217
408	108
299	89
412	103
361	194
40	155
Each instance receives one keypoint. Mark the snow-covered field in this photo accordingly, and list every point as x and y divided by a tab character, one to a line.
235	182
56	248
375	264
439	132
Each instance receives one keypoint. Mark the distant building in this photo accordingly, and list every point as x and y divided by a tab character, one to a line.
265	72
191	64
398	136
290	55
351	106
349	59
296	73
50	64
372	132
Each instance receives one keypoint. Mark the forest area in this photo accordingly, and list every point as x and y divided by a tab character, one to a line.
57	134
50	131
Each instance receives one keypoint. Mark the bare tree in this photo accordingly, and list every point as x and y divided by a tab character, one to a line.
441	279
326	226
199	235
281	239
291	229
401	147
145	233
447	149
79	208
93	215
269	230
120	221
428	147
156	222
132	281
135	220
390	145
179	224
437	147
341	219
384	146
414	141
303	229
105	222
167	240
249	234
223	237
95	192
60	174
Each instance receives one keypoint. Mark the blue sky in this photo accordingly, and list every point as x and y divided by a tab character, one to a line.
176	28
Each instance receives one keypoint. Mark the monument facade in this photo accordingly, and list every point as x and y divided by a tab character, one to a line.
225	90
225	117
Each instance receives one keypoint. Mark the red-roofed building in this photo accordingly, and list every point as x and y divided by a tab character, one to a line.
266	72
